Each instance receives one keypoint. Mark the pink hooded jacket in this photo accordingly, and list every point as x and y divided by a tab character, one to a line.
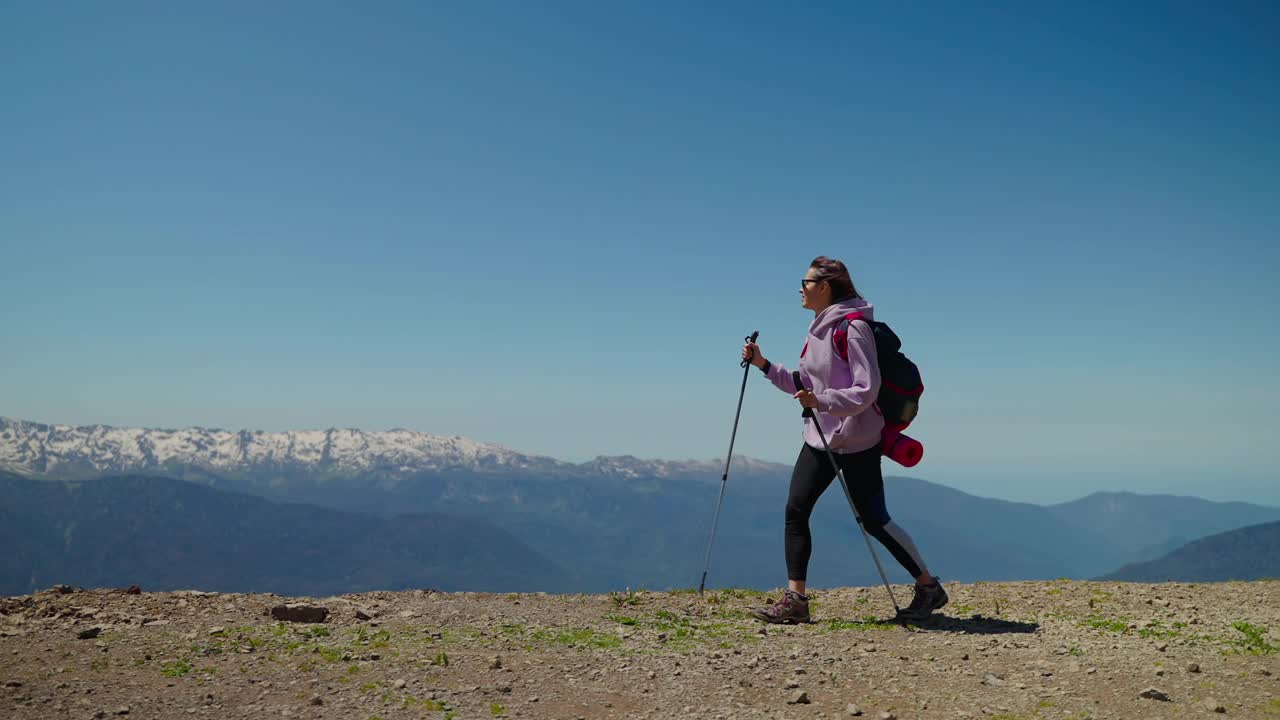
846	389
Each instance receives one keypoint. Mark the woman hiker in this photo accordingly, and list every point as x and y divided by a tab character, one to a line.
843	394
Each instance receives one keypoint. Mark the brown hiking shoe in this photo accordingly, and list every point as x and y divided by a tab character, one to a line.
790	610
927	599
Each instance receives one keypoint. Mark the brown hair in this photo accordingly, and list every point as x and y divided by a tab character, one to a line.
837	275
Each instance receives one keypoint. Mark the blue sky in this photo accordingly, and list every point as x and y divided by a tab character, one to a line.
550	225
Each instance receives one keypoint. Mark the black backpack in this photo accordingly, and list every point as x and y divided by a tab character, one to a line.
900	383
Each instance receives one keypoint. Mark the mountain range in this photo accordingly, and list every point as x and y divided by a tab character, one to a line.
610	523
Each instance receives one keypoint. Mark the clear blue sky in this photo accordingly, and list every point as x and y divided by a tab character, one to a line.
549	225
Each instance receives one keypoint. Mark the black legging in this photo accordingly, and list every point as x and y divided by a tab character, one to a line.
812	475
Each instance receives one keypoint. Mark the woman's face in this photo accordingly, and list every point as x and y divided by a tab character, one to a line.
815	294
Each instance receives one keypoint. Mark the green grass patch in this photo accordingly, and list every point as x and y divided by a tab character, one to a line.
1254	640
621	599
868	622
580	637
1101	623
176	668
623	619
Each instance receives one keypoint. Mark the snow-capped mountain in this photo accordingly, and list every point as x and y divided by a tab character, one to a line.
63	451
56	450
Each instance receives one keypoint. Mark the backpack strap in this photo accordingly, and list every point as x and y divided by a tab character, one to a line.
840	338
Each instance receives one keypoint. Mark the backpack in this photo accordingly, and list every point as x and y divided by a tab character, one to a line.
900	383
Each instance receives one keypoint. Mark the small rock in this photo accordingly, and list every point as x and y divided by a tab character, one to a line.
89	633
154	623
1154	694
992	680
886	715
1193	668
793	685
1159	672
799	698
300	612
408	614
362	614
495	663
1162	646
1212	705
853	710
317	700
124	710
398	684
133	590
217	629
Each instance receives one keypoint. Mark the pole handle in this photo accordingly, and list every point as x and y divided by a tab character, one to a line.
795	377
750	338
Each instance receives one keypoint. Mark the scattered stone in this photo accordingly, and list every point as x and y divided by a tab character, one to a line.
495	663
124	710
217	630
154	623
1154	694
408	614
799	698
300	612
1212	705
992	680
399	683
89	633
133	590
62	589
853	710
316	700
1162	646
1193	668
886	715
362	614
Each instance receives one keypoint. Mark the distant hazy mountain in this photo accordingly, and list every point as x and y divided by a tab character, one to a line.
1250	553
1149	526
167	534
616	522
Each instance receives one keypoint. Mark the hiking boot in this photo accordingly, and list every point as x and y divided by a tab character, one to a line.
927	599
791	609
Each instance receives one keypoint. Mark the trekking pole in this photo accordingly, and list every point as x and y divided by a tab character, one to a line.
724	479
809	413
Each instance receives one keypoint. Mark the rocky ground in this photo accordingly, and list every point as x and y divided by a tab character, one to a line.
1027	650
